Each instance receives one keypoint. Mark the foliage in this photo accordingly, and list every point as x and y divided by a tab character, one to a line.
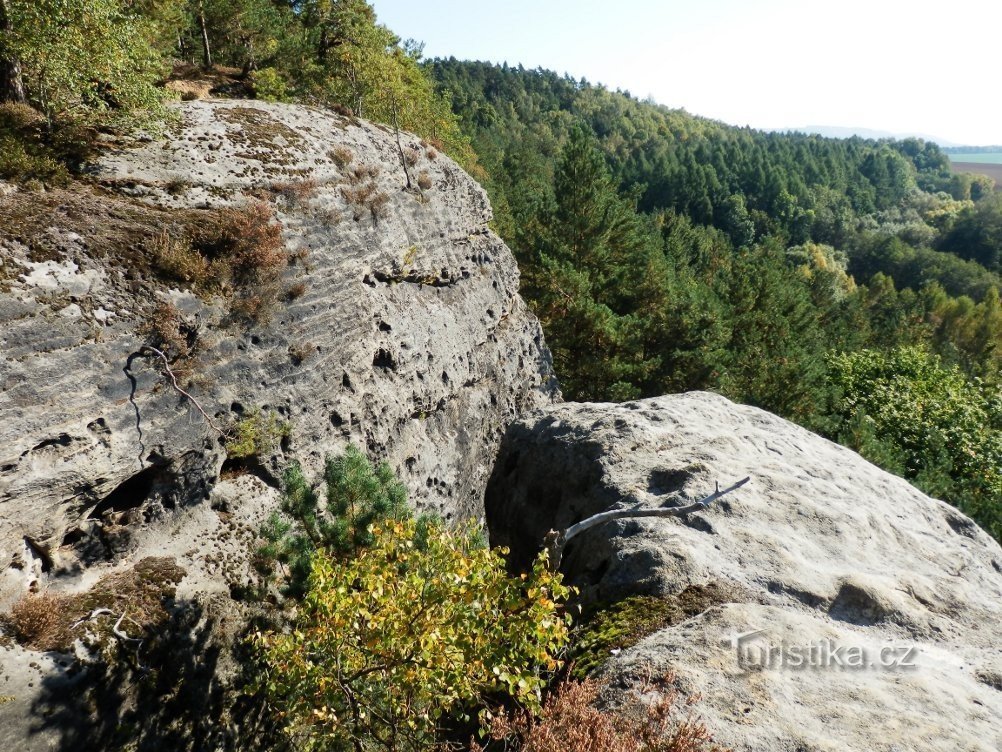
570	722
256	436
85	58
357	496
943	429
388	642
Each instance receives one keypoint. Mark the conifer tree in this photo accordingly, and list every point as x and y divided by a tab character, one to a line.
356	496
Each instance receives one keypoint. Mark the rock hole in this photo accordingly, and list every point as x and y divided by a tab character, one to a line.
855	605
384	359
662	482
63	440
963	526
39	552
130	493
384	327
336	420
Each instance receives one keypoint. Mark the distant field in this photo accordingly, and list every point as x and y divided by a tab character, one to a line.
991	170
977	157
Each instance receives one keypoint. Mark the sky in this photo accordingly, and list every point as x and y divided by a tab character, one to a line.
905	67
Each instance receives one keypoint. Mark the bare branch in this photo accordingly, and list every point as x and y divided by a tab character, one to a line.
178	389
557	541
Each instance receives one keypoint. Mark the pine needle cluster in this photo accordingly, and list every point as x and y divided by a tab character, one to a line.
356	495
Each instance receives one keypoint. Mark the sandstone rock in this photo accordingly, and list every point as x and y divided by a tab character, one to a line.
406	335
397	327
827	548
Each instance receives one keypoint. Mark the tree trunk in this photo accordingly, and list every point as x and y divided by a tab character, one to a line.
206	50
11	83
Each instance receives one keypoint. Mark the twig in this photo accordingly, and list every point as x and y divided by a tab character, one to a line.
117	631
92	615
179	390
400	147
557	541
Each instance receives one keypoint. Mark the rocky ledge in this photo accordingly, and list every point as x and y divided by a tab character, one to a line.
392	322
836	607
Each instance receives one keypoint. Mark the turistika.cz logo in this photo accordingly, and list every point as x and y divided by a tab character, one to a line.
756	653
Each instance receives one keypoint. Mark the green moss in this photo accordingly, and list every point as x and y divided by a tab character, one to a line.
622	624
256	436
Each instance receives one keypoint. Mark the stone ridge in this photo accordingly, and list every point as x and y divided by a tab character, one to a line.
406	337
819	546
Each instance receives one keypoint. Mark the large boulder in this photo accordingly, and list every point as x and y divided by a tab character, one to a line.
396	326
406	335
832	558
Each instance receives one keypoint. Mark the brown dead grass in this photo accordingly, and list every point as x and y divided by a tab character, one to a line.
45	622
235	252
571	722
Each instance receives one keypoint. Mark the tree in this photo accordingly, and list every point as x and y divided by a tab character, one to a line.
418	626
357	496
595	256
80	58
944	429
11	83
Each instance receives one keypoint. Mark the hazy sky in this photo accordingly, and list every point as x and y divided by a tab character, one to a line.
918	66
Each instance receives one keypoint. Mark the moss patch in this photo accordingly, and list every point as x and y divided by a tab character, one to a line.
622	624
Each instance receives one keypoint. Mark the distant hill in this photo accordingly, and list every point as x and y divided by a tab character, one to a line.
836	131
973	149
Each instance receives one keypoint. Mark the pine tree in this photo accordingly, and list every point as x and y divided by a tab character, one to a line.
357	495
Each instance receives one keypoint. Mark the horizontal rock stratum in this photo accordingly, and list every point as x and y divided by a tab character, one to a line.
394	324
821	551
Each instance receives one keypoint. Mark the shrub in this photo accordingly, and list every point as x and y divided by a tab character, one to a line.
294	193
252	243
175	257
46	622
424	181
269	85
24	156
570	722
387	643
165	330
940	429
357	495
341	156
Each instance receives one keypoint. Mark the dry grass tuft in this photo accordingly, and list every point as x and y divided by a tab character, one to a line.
294	193
341	156
571	722
165	330
174	257
424	181
46	621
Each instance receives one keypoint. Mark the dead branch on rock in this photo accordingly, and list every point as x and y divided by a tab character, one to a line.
555	541
177	387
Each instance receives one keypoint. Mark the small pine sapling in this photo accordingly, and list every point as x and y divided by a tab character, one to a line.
357	496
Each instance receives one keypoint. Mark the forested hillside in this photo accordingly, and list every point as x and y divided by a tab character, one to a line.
662	251
850	285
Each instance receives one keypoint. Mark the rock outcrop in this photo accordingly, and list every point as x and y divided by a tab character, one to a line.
820	551
396	326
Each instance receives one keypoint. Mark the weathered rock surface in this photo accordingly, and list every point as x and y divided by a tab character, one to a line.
413	340
827	549
406	337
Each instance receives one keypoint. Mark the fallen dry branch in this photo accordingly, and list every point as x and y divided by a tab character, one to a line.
557	541
177	387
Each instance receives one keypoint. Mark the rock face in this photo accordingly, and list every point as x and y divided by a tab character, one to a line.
396	326
835	560
407	336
